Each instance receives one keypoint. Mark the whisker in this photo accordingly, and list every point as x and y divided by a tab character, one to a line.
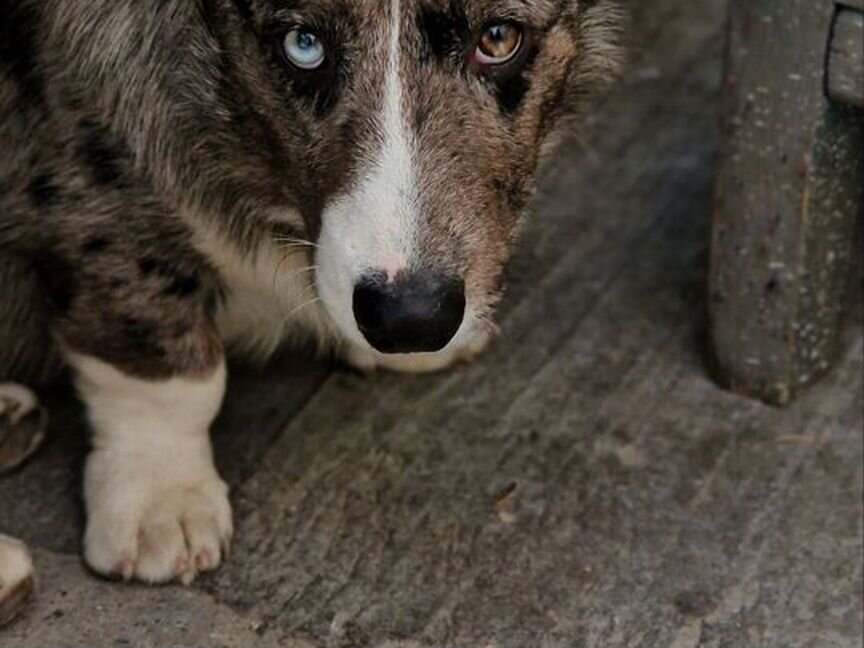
290	246
287	243
295	242
310	268
296	310
277	277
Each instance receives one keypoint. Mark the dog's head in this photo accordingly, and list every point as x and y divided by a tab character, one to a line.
402	137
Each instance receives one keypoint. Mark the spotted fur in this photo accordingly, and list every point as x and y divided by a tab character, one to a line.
171	186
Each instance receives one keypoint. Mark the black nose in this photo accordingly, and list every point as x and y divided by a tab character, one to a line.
420	312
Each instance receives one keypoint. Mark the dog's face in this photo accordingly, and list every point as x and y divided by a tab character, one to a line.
404	137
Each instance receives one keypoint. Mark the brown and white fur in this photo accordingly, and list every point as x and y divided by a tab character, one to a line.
173	188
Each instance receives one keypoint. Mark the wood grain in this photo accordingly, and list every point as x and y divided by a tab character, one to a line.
788	195
584	484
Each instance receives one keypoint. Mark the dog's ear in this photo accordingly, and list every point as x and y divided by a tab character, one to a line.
598	29
601	28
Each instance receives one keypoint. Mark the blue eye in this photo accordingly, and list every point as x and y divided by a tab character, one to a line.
304	49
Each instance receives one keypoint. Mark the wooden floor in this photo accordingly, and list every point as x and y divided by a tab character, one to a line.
583	484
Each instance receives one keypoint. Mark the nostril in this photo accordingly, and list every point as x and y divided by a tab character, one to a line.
419	312
371	302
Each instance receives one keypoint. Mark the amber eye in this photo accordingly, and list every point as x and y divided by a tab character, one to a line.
498	44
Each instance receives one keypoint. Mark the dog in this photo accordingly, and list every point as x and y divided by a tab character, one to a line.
186	179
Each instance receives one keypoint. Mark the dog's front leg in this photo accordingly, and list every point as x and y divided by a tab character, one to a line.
137	330
157	510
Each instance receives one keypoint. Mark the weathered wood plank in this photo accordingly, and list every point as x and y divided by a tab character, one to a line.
583	484
851	4
85	611
788	193
845	61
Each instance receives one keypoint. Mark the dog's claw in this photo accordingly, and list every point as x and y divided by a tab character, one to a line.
125	569
203	561
22	425
17	582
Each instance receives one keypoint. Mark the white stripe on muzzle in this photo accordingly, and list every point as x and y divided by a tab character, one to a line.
373	228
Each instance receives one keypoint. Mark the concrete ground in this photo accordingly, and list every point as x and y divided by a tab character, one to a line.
584	483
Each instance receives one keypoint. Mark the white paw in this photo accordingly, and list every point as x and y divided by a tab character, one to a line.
16	578
151	522
22	425
368	361
156	509
16	401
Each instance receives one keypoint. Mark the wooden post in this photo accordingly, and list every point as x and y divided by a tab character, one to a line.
844	74
788	192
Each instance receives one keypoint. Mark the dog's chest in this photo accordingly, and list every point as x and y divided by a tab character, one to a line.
269	292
